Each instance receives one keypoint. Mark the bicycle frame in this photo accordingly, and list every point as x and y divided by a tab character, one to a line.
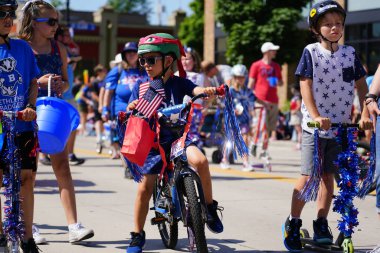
175	181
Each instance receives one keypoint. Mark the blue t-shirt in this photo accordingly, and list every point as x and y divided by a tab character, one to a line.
122	82
176	88
17	69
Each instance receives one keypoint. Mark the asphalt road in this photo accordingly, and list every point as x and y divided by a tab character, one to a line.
255	206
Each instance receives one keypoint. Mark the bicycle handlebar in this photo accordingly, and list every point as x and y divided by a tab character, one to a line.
11	114
314	124
220	91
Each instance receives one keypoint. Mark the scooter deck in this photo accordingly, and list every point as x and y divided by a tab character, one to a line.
311	244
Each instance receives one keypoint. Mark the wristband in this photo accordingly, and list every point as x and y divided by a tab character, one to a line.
31	106
373	96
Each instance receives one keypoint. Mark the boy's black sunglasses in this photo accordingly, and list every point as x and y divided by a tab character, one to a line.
4	14
149	60
49	21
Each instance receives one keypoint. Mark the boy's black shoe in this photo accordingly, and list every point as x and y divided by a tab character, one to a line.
213	223
322	232
137	242
29	246
3	243
291	234
74	160
45	160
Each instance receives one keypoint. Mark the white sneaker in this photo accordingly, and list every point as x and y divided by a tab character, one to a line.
37	237
247	167
224	166
79	233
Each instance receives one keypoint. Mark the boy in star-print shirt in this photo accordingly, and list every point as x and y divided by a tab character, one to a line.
328	74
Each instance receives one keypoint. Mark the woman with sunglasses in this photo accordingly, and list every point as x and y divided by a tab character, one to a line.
18	85
119	84
160	54
38	26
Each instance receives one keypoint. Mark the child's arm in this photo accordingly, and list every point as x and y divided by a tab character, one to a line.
210	91
365	122
308	98
374	89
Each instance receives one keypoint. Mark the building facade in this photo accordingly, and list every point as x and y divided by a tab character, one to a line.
103	33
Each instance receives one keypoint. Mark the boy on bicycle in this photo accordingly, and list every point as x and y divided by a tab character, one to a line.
328	73
160	55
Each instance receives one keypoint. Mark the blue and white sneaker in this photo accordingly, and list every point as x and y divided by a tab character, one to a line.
137	242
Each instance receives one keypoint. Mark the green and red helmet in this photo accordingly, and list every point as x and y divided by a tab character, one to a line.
165	44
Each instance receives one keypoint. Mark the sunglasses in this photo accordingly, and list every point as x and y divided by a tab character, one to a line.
49	21
149	60
4	14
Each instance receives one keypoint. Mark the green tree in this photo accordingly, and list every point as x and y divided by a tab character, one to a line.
191	29
250	23
57	4
140	6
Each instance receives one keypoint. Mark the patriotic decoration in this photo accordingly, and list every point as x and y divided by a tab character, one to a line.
311	188
150	97
13	224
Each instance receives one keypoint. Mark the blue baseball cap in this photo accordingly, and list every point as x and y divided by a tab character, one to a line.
130	46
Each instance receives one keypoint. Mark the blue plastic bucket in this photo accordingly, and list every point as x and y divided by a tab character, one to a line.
56	119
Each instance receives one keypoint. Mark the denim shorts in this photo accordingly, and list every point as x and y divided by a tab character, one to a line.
329	151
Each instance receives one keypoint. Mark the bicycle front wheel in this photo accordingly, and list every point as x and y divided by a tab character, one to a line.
196	223
168	228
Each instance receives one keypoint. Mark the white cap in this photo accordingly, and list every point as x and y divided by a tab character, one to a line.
269	46
117	60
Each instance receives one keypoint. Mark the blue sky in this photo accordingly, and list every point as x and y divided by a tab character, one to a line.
170	6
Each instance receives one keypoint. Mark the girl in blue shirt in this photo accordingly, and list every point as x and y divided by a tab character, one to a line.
18	92
119	84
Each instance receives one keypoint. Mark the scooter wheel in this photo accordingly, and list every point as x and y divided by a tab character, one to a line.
304	234
217	156
348	246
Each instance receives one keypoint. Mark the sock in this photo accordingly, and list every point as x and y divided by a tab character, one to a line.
72	226
291	217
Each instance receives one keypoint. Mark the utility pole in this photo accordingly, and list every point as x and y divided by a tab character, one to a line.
68	12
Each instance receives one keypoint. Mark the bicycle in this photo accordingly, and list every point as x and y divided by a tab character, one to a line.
178	193
344	241
13	224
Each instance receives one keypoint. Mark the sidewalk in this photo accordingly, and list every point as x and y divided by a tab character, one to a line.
256	204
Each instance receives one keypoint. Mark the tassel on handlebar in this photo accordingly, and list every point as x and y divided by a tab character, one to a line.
231	125
311	188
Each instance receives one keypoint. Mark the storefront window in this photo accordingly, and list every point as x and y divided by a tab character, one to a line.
355	5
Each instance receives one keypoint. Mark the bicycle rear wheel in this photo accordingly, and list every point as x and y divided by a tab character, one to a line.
196	223
168	226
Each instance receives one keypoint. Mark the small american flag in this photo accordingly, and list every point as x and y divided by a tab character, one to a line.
150	97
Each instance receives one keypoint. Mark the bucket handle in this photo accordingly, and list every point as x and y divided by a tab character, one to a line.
49	85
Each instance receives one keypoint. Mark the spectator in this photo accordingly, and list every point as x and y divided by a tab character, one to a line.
119	84
295	113
264	77
63	35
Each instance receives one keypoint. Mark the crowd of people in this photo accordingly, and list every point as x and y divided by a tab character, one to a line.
46	53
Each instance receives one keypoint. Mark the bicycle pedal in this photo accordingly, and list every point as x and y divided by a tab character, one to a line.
157	220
